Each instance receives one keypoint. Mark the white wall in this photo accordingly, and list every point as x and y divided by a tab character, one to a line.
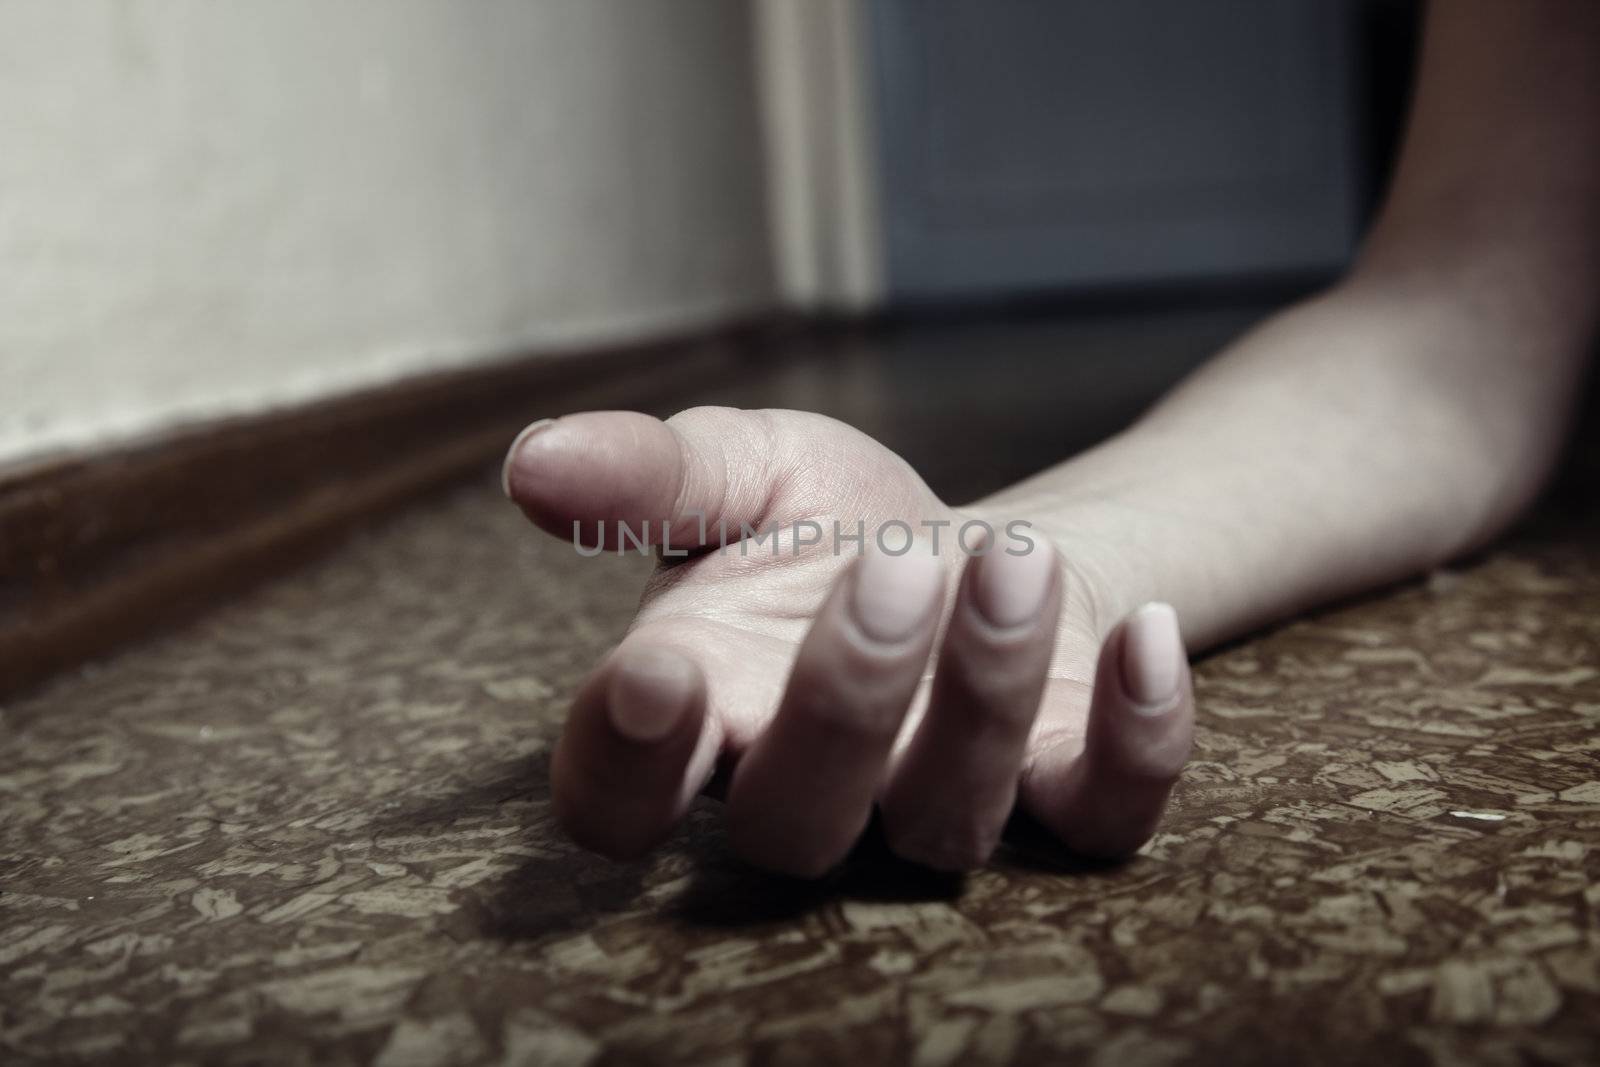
214	207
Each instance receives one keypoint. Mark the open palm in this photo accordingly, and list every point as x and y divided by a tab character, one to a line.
770	647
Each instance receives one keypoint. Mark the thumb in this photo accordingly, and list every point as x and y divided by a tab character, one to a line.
581	476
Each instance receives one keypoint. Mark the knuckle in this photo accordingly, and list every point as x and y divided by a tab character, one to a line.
860	715
794	859
1106	842
990	697
713	422
600	813
808	865
1151	765
1001	682
614	838
961	845
791	842
854	693
701	414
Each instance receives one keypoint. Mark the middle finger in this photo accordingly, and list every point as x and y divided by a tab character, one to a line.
803	793
953	790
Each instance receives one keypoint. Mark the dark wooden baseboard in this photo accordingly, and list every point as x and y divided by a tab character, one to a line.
98	549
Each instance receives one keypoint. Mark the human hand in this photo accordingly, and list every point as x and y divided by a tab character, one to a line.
801	672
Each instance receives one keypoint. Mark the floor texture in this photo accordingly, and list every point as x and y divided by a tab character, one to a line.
315	825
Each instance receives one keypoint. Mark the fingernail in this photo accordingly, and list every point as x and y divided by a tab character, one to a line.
894	594
1010	590
516	446
1152	657
650	690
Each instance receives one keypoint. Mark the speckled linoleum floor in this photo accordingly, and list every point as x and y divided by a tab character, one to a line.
315	826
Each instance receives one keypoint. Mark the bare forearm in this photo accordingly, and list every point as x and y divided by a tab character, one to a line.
1351	441
1411	412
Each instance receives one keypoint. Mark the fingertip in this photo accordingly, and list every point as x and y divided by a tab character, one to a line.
1011	589
515	461
893	596
650	692
804	791
1142	725
948	798
1152	658
593	467
1107	800
634	751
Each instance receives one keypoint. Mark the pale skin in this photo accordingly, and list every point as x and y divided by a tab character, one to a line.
1389	424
